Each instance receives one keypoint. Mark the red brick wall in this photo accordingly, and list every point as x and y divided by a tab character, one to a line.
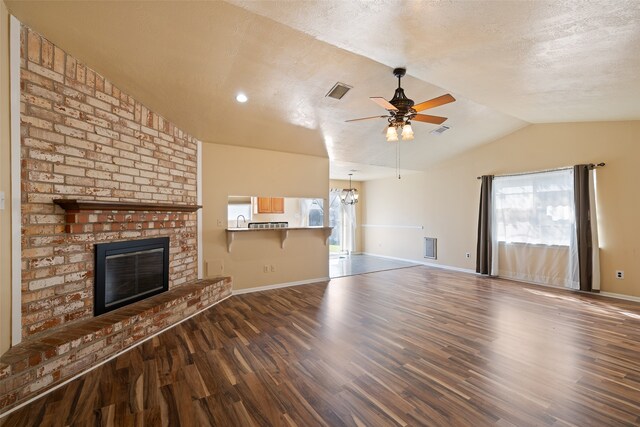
83	138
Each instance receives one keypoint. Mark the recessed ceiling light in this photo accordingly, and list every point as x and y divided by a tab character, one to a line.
241	97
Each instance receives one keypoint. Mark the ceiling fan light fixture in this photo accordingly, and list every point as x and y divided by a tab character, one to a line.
407	132
401	109
392	134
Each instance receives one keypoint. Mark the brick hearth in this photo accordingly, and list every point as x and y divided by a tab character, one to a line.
38	364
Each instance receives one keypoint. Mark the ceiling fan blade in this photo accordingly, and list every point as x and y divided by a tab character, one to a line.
367	118
436	120
383	103
435	102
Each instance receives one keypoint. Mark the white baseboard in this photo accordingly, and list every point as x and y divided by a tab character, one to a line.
279	285
560	288
452	268
428	264
618	296
392	257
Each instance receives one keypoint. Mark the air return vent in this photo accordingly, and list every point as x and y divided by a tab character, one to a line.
430	247
338	91
439	130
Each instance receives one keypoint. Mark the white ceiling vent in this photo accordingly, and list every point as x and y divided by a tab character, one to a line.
439	130
338	91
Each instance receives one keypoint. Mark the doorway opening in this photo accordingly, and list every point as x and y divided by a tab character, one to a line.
343	220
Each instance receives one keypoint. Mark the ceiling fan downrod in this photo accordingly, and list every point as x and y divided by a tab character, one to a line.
400	100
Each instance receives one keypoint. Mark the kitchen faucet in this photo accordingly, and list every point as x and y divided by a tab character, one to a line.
244	220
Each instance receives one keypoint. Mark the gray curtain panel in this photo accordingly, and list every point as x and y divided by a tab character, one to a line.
583	225
484	249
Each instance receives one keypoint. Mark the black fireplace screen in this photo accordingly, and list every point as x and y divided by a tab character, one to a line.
130	271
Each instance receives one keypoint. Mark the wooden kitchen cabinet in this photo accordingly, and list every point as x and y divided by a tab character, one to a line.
270	204
264	204
277	205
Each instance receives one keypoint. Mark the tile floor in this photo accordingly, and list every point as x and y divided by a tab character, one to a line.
349	265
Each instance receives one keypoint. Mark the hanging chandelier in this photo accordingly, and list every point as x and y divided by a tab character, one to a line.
349	196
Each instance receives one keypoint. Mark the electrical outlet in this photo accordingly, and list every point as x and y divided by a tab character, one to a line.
468	255
2	200
273	268
265	268
220	223
619	274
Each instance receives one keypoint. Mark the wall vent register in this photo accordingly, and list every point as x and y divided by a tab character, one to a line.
430	247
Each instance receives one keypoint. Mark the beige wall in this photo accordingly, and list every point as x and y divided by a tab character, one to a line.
393	214
5	184
336	183
228	170
444	200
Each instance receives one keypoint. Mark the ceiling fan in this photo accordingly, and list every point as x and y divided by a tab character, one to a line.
402	110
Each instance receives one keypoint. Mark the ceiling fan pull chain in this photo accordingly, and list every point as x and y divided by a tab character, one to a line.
398	158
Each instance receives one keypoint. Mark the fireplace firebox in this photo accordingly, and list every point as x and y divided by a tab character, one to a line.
126	272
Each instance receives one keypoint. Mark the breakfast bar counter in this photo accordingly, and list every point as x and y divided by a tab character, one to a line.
284	233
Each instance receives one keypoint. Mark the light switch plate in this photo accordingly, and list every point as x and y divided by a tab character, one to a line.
1	200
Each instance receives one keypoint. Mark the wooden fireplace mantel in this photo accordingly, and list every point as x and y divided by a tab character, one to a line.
98	205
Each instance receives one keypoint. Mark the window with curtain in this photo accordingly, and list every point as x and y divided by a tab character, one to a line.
316	213
311	212
534	227
535	208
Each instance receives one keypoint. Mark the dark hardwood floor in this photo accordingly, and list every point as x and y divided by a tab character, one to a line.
415	346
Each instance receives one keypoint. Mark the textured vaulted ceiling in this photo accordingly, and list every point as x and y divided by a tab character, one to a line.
507	63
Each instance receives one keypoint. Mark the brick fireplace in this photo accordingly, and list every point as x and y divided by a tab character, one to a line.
97	166
83	138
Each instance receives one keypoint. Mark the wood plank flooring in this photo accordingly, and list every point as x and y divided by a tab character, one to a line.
411	347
